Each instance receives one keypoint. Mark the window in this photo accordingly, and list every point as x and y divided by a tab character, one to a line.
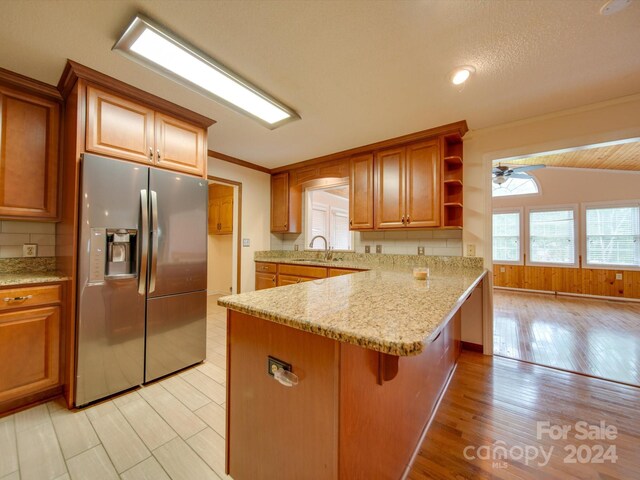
515	186
552	237
327	214
506	237
613	235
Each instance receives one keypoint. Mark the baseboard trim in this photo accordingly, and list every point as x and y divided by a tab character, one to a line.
472	347
570	294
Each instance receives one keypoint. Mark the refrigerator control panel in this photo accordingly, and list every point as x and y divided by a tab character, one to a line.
97	255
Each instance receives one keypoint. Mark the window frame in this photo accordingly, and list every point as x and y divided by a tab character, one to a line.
583	233
520	211
307	215
521	195
576	232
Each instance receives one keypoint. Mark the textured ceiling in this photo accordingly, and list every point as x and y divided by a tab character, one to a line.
357	71
624	156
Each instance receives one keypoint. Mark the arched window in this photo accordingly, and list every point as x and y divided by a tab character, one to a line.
516	186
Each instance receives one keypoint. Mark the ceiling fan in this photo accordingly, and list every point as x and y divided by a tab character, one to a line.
502	173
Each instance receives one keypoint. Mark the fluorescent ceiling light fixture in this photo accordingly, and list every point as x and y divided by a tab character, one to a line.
167	54
461	74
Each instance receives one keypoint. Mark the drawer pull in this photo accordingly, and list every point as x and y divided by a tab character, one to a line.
17	299
285	377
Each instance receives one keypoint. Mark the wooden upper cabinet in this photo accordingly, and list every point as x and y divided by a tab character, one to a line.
122	128
119	127
361	193
423	185
408	186
286	203
220	209
179	145
390	188
29	155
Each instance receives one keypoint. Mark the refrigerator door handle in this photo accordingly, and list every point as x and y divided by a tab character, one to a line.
144	250
154	238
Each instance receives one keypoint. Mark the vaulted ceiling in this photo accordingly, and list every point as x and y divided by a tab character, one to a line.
356	71
625	156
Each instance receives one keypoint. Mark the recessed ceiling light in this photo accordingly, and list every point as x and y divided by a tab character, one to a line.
461	74
162	51
614	6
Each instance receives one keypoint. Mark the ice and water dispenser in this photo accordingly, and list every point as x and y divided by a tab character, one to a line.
114	254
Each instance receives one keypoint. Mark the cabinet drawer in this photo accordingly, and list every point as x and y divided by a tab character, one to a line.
291	279
303	271
266	267
11	298
336	272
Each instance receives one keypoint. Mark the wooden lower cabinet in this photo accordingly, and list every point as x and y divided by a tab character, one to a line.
265	280
355	413
30	339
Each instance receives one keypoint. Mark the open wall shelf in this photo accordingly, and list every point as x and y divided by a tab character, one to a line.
452	182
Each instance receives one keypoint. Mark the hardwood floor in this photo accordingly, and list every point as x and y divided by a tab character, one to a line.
594	337
493	399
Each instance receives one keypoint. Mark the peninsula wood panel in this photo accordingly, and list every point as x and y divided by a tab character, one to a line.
179	145
119	127
29	156
423	185
361	193
390	188
336	272
262	437
588	281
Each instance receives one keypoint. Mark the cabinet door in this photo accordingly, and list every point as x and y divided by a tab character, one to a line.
390	188
280	202
226	215
29	351
265	280
423	185
180	146
118	127
361	193
29	155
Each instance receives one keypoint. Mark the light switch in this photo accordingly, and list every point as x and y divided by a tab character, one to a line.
618	276
367	249
246	242
502	269
378	248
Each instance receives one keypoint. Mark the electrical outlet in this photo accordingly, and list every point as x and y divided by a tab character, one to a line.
502	269
471	250
296	247
618	276
420	250
367	249
246	242
378	248
29	250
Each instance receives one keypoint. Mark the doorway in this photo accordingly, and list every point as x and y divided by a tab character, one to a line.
224	235
566	260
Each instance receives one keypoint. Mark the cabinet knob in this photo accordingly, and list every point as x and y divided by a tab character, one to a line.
298	280
158	153
150	153
286	225
403	220
408	219
351	222
273	279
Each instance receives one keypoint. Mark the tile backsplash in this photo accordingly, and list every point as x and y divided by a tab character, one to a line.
13	235
435	242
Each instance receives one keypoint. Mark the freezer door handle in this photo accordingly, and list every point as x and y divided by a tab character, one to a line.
154	239
144	250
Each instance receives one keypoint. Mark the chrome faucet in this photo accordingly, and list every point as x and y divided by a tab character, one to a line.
327	251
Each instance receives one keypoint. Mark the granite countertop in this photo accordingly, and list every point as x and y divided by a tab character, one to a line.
383	309
16	279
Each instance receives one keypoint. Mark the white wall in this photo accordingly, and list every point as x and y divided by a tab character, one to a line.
606	121
220	264
564	186
256	200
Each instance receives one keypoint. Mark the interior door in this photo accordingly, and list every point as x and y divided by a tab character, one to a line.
390	188
179	233
423	185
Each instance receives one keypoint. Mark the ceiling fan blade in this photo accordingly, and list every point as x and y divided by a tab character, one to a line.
519	175
527	168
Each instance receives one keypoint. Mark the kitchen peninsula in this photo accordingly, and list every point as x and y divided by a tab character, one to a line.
339	377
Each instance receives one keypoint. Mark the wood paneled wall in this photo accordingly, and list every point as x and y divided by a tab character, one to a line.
588	281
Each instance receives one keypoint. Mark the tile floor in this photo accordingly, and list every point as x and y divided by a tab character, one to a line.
170	429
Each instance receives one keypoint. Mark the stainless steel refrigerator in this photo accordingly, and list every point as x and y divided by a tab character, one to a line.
142	275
